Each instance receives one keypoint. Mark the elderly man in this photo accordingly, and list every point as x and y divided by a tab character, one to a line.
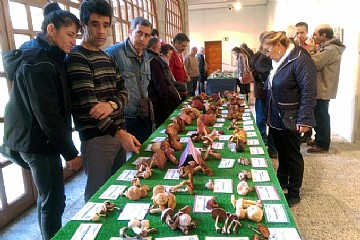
134	65
202	69
327	60
192	69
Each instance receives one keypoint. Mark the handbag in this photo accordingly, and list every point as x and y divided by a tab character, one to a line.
247	77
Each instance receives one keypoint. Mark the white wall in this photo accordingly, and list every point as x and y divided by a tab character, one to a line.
246	25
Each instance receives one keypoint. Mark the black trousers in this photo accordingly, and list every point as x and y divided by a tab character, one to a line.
291	163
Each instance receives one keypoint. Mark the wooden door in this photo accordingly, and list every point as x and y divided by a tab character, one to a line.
213	56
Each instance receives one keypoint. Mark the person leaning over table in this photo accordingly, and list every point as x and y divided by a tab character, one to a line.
99	96
291	86
38	114
133	62
162	92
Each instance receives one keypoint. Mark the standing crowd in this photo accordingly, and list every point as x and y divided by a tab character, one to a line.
117	97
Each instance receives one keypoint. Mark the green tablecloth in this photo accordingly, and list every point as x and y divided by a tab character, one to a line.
110	224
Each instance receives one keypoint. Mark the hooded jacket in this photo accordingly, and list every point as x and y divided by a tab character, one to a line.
327	61
38	114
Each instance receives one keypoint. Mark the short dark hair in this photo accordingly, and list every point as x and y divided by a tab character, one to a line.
101	7
140	21
299	24
236	49
53	14
181	37
155	32
329	32
152	42
166	48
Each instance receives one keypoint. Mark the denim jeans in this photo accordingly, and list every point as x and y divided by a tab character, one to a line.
260	110
140	128
47	172
322	129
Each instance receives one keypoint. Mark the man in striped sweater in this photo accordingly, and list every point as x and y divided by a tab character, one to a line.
99	96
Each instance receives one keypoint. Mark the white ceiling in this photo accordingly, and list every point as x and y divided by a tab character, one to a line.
211	4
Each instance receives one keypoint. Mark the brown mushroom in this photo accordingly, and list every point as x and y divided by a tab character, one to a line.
218	214
264	230
230	218
210	204
167	217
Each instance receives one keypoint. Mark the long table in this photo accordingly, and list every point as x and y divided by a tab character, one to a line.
216	83
110	225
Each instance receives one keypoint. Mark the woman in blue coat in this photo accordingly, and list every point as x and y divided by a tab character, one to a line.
292	97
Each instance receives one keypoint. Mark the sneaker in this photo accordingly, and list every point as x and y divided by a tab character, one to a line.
311	143
317	149
291	200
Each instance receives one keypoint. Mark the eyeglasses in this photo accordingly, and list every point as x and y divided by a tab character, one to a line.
267	51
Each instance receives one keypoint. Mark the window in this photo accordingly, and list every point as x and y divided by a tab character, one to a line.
126	10
173	20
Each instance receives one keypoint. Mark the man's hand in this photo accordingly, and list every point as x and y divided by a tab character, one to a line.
101	110
302	129
74	164
128	141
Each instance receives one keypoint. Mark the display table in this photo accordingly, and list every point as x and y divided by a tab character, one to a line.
110	225
221	81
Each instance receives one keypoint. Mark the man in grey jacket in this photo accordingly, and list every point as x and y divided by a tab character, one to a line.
327	60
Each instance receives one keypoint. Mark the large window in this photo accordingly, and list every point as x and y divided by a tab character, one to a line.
173	20
126	10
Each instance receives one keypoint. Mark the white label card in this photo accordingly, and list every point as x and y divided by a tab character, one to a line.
172	174
284	234
246	114
267	193
87	211
140	159
184	139
251	134
148	148
134	210
260	175
226	163
113	192
120	238
256	150
223	185
247	109
224	111
248	122
220	120
218	125
253	142
158	139
86	231
163	131
193	237
200	203
226	238
224	137
249	128
246	118
189	133
275	213
258	162
127	175
218	145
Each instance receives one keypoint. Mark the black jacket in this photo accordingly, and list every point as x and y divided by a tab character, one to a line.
38	114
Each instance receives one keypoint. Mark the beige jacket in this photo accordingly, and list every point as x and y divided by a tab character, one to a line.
192	66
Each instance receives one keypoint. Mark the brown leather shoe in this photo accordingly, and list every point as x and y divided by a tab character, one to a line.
317	150
311	143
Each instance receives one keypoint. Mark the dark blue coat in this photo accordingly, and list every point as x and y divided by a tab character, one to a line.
293	87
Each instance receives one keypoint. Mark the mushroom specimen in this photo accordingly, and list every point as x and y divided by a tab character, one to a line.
210	185
218	214
162	200
243	188
210	204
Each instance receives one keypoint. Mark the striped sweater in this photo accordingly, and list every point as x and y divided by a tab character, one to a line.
93	77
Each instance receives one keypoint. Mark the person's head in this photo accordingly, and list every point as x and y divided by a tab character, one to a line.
323	33
155	33
193	51
166	51
140	33
154	44
180	42
301	31
60	27
95	16
201	50
244	45
274	44
235	51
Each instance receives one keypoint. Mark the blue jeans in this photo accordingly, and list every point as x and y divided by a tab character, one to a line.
140	128
102	157
322	129
47	172
260	110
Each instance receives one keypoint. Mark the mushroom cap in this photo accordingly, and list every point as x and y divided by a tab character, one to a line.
254	213
165	213
184	220
185	209
218	212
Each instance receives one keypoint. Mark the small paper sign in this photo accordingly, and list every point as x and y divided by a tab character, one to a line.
158	139
226	238
275	213
193	237
134	210
284	234
247	109
120	238
184	139
140	159
267	193
148	148
251	134
224	111
113	192
249	128
256	150
127	175
246	118
218	145
260	175
163	131
258	162
200	203
86	231
226	163
253	142
189	133
246	114
218	125
248	122
172	174
87	211
223	185
224	137
220	120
